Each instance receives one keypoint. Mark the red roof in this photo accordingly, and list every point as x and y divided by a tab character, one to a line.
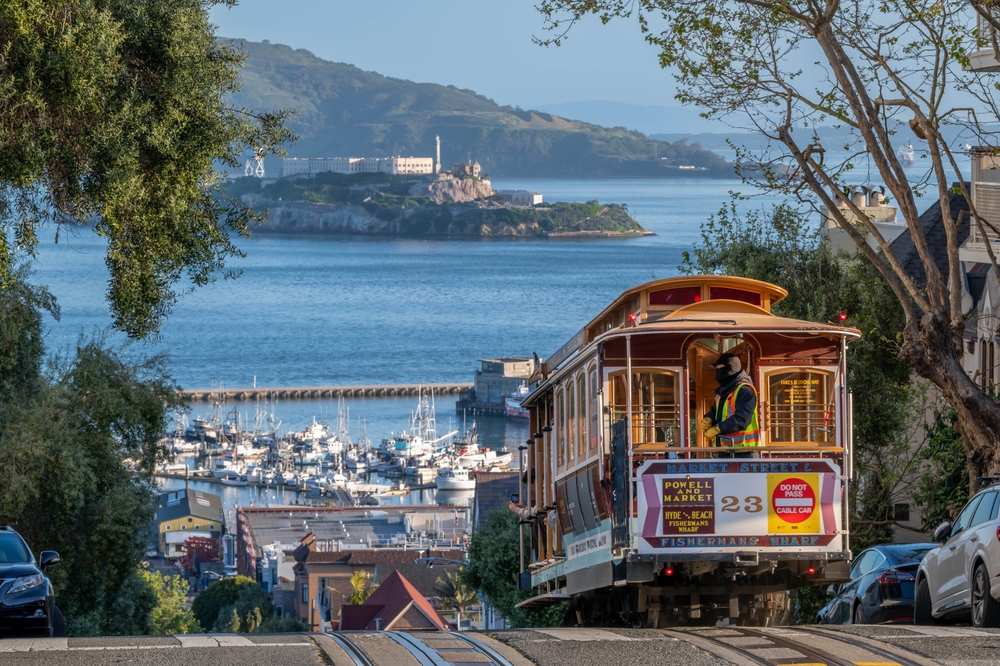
357	617
388	602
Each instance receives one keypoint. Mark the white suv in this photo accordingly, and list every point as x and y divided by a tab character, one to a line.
962	575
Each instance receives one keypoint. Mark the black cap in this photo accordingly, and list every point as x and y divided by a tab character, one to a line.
729	362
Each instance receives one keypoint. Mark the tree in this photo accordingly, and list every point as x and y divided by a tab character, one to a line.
360	590
782	68
67	426
217	596
781	246
494	563
456	592
114	113
171	614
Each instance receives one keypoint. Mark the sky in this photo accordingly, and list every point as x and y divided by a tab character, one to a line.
475	44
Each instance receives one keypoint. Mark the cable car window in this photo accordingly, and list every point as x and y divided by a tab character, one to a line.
599	492
751	297
570	422
560	429
595	411
678	296
581	417
655	407
800	407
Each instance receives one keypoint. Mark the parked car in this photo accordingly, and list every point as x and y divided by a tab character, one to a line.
880	589
27	604
959	578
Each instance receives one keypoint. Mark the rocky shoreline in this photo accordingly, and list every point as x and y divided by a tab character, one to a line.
470	219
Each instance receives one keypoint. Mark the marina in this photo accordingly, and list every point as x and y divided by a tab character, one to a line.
253	460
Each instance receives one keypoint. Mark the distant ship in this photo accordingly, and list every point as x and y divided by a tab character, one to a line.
905	155
512	404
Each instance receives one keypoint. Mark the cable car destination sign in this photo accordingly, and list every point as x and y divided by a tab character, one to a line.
772	505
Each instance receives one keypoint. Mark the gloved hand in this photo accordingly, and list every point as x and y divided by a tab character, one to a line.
706	423
712	433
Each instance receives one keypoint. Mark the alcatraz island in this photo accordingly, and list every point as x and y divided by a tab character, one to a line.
413	196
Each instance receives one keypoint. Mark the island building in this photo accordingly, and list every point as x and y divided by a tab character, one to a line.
397	165
305	557
519	197
185	513
470	170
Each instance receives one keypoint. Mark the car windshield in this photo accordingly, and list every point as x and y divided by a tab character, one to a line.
12	549
910	553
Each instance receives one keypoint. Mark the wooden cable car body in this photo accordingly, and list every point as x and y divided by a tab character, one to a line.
637	517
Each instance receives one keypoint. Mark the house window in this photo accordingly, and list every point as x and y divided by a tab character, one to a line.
168	527
305	593
197	527
183	527
901	512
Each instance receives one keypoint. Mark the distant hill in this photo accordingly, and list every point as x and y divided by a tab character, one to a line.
650	120
346	111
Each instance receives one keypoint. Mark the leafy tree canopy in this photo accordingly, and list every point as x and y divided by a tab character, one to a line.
67	427
170	615
113	112
494	554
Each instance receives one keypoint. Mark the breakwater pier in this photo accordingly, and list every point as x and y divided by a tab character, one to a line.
311	392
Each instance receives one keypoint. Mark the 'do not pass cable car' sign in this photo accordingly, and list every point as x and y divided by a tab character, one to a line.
769	505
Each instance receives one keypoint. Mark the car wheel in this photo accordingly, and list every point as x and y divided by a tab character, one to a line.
985	609
922	604
859	614
58	623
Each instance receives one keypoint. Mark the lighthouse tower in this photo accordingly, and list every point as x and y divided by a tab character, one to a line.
437	158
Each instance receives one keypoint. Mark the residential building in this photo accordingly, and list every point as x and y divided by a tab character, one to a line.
331	543
395	605
184	513
519	197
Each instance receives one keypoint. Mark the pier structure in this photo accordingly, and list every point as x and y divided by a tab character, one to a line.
312	392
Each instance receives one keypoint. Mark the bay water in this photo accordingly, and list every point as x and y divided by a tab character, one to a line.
330	310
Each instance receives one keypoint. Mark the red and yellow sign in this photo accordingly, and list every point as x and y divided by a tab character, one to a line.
793	504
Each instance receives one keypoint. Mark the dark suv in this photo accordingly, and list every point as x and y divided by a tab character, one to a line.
27	605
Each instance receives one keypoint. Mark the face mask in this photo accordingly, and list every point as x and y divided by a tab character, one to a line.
721	374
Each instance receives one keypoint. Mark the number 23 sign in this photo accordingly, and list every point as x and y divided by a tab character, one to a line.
720	498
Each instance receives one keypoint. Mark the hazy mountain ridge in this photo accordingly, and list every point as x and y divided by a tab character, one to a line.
345	110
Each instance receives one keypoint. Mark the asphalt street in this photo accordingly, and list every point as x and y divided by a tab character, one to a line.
902	645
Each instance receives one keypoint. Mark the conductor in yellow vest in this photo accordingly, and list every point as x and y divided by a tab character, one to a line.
733	420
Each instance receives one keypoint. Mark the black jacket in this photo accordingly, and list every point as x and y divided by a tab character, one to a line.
746	403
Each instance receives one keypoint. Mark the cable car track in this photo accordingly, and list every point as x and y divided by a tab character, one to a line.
430	656
772	639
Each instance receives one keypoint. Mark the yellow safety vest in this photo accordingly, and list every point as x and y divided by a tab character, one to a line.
750	436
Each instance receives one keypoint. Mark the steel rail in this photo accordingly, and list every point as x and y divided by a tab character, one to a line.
353	651
836	636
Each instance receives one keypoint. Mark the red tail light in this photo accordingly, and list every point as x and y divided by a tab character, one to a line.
895	577
669	571
998	532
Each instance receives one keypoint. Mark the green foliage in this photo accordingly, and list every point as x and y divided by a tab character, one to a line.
494	553
455	591
215	597
171	614
944	486
360	589
806	603
348	111
780	247
114	114
67	427
239	605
